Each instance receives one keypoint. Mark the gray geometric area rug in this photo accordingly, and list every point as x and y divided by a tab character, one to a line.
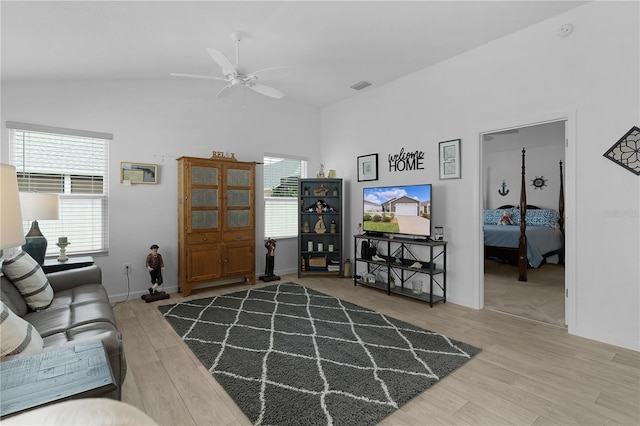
289	355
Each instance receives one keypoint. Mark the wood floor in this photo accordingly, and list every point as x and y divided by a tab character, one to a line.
528	373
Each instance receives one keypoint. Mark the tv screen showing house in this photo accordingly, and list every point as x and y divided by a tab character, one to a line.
400	209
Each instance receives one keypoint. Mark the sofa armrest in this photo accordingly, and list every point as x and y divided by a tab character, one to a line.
71	278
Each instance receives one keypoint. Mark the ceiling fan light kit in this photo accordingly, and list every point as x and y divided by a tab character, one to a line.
234	78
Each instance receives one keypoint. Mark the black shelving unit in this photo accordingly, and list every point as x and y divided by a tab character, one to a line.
394	256
313	246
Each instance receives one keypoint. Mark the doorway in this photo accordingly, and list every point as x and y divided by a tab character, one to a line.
542	296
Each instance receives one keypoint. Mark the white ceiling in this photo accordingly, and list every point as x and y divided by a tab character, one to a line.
329	45
536	136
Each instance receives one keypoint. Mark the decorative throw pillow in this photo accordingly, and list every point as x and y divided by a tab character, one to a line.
16	334
538	217
492	216
515	217
28	277
543	217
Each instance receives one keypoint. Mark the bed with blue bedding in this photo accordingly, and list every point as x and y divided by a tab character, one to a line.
525	235
544	236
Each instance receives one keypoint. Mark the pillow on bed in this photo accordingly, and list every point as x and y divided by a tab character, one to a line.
538	217
493	216
543	217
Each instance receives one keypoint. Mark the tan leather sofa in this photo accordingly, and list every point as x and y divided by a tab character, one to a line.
80	312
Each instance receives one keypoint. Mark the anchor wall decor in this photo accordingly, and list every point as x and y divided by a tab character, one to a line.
503	191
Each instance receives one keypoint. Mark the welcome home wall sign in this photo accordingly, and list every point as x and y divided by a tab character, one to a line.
405	161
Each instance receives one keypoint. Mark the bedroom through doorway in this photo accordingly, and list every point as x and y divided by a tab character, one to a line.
542	296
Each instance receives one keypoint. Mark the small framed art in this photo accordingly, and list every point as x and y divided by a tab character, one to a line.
367	167
138	173
450	159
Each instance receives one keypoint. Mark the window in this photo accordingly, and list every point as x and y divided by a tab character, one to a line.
281	195
73	164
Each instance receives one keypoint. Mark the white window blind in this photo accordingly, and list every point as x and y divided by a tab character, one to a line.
281	195
75	165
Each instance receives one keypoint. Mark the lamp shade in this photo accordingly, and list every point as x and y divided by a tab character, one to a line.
11	234
38	206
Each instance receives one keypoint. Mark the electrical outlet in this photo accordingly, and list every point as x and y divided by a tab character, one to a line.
126	268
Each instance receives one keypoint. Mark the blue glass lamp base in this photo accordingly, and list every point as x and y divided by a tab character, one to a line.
36	243
36	247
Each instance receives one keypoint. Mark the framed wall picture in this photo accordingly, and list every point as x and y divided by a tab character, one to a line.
450	159
138	173
367	167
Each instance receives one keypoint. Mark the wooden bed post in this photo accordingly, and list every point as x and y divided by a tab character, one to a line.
561	220
522	244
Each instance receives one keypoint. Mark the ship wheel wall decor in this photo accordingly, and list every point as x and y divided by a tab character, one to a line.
626	152
539	182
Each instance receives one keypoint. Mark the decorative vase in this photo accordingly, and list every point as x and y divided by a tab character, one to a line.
320	228
347	269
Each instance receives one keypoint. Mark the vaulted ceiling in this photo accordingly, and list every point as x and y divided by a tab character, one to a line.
329	45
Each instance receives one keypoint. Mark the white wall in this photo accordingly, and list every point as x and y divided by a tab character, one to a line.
505	165
502	160
157	122
520	78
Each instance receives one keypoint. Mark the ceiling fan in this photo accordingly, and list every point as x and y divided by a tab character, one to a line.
234	78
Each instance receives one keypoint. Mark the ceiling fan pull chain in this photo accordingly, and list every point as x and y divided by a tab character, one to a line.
237	53
236	37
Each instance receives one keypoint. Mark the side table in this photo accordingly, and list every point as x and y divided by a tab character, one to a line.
53	265
42	378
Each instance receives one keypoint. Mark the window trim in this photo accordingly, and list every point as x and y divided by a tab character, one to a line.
266	199
15	125
97	203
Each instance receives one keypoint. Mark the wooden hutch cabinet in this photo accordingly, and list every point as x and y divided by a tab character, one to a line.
216	221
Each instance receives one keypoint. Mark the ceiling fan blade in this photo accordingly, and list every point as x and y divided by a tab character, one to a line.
222	61
272	73
224	91
267	91
205	77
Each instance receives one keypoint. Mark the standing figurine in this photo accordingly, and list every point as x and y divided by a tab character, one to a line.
155	265
270	245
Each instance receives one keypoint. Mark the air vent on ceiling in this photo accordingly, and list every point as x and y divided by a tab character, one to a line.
361	85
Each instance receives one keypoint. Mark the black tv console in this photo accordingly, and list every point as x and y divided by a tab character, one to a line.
394	266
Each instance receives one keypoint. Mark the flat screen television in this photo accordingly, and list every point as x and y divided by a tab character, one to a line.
400	209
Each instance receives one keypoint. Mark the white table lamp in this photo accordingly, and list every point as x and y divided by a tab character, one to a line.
11	234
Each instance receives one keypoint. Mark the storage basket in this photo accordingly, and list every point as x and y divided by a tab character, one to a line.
318	262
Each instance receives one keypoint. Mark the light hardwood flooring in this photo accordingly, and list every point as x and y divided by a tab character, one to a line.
528	373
